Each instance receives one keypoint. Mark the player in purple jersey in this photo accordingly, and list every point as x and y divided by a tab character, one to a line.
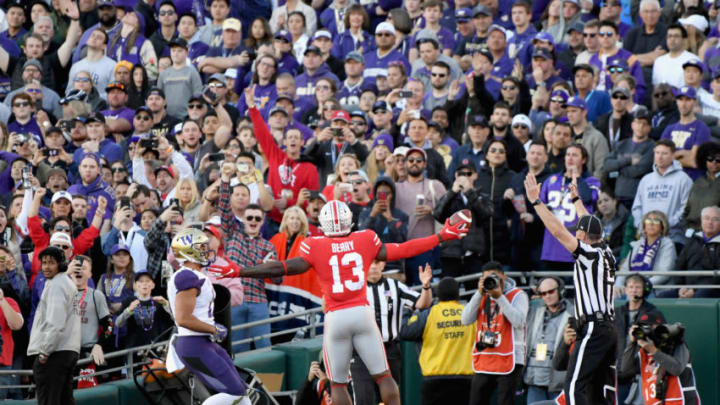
555	193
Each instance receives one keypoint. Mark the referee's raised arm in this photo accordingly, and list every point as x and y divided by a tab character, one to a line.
556	228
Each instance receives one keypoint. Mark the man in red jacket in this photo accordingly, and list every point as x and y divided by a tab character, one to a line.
286	176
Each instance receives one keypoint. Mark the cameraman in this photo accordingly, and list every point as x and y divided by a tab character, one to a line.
662	358
500	309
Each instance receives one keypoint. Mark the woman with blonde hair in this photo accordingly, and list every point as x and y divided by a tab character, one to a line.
339	188
189	198
654	250
293	230
382	147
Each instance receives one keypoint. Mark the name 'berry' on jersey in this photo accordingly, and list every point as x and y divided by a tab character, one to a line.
341	264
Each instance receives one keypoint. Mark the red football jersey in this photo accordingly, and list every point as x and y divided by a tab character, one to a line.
341	265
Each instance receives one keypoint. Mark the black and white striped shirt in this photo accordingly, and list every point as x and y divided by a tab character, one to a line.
387	297
594	277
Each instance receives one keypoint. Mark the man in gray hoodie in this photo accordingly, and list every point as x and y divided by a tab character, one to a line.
55	336
666	189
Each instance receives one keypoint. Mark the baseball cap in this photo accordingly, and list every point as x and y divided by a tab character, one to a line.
168	169
478	120
385	27
496	27
686	91
436	125
522	119
381	105
231	73
576	26
61	238
61	194
560	93
316	195
232	24
583	66
696	20
544	37
119	247
622	90
426	35
285	96
617	62
340	115
481	9
463	14
356	56
156	91
485	52
96	116
322	33
312	48
649	318
590	224
359	113
177	41
641	112
542	53
141	273
279	109
383	139
105	3
416	150
577	102
219	77
466	164
115	85
401	151
284	35
696	63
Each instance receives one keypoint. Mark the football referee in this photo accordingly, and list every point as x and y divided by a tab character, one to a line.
590	378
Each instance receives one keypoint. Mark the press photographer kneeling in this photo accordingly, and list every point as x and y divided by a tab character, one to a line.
500	309
658	353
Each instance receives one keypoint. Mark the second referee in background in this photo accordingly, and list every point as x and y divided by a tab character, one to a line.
590	378
387	297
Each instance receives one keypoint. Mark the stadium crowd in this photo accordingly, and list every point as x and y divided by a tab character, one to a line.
124	121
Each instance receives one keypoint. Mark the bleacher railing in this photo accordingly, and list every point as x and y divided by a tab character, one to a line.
131	364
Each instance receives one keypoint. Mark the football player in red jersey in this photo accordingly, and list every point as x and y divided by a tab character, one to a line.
341	260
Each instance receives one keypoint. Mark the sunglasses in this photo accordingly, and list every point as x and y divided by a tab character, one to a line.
21	104
606	34
166	13
252	218
558	100
616	69
358	182
714	159
413	160
509	88
438	74
518	126
384	34
323	87
589	35
82	79
357	123
35	91
661	94
216	85
61	228
653	221
620	97
465	174
548	292
117	170
497	150
195	106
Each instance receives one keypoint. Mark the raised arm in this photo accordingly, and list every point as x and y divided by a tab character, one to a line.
395	251
556	228
73	33
270	269
576	200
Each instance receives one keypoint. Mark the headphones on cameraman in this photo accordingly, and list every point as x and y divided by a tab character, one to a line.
647	284
558	280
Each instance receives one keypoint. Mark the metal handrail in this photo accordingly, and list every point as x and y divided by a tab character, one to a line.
313	325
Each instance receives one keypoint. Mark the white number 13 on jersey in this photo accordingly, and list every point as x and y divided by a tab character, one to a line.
354	259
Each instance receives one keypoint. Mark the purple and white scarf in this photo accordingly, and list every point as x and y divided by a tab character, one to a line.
645	257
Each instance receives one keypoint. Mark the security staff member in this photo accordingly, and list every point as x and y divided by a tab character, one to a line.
387	297
594	276
500	310
666	376
545	329
446	342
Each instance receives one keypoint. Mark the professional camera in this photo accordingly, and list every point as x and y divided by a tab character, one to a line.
487	339
643	332
491	282
663	336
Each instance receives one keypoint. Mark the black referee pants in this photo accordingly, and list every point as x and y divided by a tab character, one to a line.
483	385
365	391
590	378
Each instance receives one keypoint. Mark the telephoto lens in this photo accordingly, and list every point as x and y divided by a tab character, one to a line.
491	282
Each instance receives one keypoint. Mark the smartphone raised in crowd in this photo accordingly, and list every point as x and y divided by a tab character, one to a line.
216	157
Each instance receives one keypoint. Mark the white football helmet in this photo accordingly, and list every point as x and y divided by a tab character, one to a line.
335	218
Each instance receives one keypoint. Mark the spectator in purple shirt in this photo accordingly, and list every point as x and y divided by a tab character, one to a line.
230	54
688	133
263	79
287	62
96	142
355	36
92	186
524	32
15	18
118	117
24	123
432	11
608	53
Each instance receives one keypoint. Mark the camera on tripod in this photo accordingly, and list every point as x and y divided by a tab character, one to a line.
491	282
488	339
